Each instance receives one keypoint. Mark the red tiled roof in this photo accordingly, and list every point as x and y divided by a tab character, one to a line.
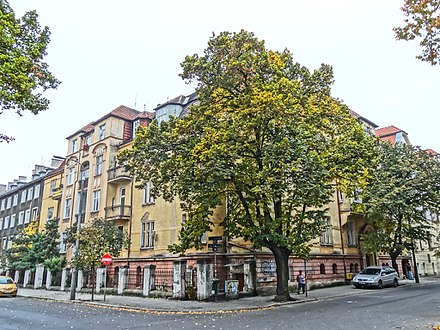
431	152
146	115
389	130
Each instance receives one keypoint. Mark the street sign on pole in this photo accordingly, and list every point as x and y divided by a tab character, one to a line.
106	259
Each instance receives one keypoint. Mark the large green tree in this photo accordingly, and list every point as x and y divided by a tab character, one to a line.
422	22
404	189
24	73
266	136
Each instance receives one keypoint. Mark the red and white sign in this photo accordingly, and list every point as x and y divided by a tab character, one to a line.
106	259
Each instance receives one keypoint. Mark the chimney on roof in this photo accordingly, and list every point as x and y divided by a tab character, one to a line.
2	189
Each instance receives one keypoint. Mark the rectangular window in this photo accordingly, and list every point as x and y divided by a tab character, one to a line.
67	206
101	132
4	243
70	175
88	140
6	224
351	236
96	200
147	197
9	203
34	213
1	223
147	234
12	224
49	213
20	217
326	236
98	165
74	146
3	204
23	196
30	193
136	125
15	200
63	245
37	191
53	186
27	216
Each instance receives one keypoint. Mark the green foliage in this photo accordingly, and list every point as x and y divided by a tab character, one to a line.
265	135
95	239
25	75
404	188
422	22
31	247
55	264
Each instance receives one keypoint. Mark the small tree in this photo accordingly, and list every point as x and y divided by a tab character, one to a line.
95	239
422	22
24	74
403	190
20	255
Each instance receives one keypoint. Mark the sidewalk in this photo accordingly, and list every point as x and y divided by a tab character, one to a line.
160	305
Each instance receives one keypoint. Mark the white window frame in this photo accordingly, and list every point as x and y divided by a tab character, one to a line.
30	193
326	235
34	214
27	216
101	132
9	203
147	197
20	218
23	196
351	233
63	245
136	125
1	223
50	211
147	235
96	199
15	200
12	224
98	166
6	223
37	191
4	243
70	175
67	208
74	146
3	207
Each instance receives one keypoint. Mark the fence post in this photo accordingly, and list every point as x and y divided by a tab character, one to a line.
48	279
204	279
100	276
149	274
122	281
179	279
26	277
80	281
17	276
63	279
38	280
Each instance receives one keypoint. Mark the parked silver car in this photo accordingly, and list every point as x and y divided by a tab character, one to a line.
376	276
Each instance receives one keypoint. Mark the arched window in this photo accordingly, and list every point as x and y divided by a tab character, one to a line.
322	268
351	268
356	268
335	269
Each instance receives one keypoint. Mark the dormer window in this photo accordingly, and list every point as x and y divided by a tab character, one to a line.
74	146
101	132
136	125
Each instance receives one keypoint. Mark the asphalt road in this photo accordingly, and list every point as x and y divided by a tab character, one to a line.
405	307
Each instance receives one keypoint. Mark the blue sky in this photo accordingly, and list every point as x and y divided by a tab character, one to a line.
108	53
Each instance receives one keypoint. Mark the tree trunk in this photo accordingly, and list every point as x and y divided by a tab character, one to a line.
394	261
282	262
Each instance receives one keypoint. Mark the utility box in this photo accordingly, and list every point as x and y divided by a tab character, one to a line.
231	289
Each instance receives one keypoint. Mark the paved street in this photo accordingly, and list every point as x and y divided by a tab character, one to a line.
409	306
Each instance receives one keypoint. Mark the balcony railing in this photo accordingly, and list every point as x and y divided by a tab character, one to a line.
118	212
118	174
57	192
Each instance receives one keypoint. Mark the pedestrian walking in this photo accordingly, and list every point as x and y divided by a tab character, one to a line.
300	278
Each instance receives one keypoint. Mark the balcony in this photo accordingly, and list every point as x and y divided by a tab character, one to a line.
118	212
118	174
57	192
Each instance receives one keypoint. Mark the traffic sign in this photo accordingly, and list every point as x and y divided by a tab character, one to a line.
106	259
215	238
